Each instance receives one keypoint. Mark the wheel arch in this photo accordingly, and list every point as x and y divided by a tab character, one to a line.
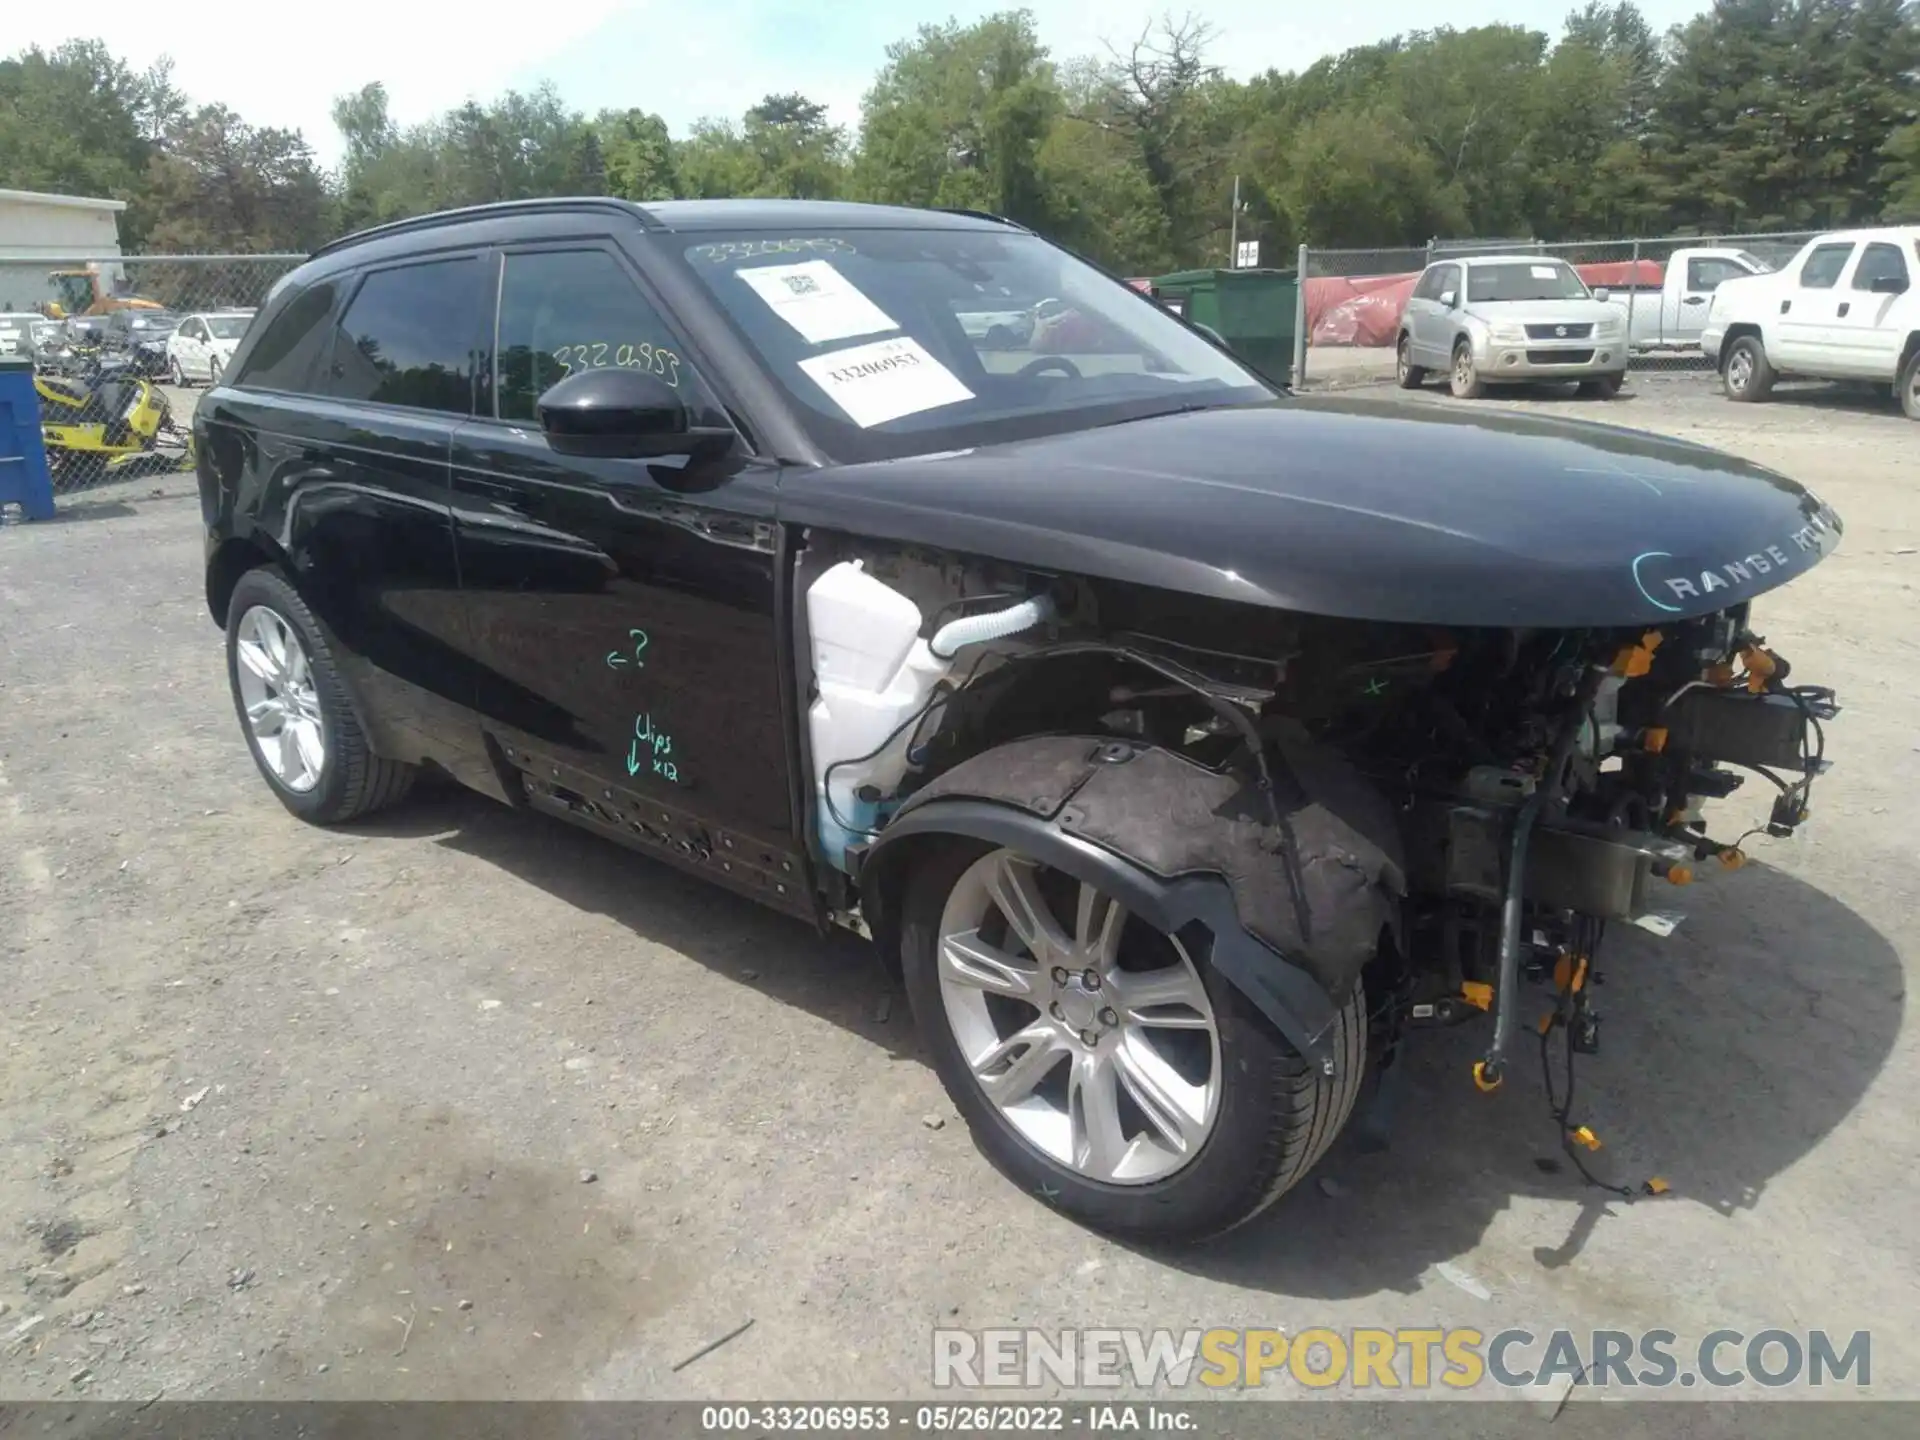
232	558
1743	330
1907	352
1289	917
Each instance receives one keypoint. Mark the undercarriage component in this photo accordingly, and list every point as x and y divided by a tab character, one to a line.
1608	874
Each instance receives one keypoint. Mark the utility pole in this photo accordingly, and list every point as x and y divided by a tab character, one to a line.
1233	242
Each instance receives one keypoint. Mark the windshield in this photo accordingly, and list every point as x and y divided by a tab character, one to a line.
227	327
1526	280
905	342
1753	262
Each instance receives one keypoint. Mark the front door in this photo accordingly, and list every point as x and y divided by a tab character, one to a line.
623	611
1807	327
1867	344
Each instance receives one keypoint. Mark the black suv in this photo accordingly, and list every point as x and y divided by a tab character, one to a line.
1184	742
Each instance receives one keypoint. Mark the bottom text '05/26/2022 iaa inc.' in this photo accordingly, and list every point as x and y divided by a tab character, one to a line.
1185	743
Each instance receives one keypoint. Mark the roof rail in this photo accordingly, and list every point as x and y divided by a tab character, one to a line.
477	212
978	215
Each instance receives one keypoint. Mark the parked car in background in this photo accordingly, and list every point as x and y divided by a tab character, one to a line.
1500	319
203	344
1844	308
1672	314
143	336
16	331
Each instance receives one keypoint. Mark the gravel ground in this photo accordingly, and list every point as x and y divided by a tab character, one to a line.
463	1103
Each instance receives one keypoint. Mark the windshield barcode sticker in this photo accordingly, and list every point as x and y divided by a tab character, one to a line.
885	380
817	300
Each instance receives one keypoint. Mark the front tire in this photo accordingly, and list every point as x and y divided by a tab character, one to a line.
1408	375
1143	1096
1747	376
176	373
294	710
1465	381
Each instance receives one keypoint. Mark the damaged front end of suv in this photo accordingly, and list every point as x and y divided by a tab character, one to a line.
1236	745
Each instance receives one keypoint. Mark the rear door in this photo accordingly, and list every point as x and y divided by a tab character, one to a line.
1805	336
1435	318
342	425
1867	343
624	611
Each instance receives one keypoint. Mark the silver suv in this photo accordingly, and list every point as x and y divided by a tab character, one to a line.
1492	319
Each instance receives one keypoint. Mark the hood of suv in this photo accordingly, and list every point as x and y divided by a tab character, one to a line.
1359	509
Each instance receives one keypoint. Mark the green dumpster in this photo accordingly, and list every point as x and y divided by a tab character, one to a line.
1252	310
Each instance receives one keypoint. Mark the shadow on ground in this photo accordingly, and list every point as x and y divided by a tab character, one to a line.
1730	1051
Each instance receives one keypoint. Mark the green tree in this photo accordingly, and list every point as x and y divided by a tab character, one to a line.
638	155
801	156
957	117
1776	113
72	122
217	184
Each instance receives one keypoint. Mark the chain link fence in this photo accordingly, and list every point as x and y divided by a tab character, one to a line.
1351	300
121	348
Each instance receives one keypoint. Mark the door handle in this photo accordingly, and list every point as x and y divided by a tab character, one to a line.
1845	305
1694	300
1785	306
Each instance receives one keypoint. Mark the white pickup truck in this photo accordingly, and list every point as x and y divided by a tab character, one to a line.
1844	308
1672	315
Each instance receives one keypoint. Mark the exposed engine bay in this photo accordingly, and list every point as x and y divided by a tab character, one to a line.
1510	792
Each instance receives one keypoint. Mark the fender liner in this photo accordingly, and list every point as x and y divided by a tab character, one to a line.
1293	914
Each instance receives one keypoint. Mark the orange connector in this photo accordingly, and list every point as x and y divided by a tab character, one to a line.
1476	994
1584	1137
1482	1082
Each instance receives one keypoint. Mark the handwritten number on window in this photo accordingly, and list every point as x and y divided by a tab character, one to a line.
597	355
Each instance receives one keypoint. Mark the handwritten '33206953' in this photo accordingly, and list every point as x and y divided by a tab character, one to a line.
599	354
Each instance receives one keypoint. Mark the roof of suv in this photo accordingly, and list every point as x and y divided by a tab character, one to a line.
696	215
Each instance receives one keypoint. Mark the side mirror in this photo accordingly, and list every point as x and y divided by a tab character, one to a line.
1889	285
1603	294
618	413
1449	298
1212	334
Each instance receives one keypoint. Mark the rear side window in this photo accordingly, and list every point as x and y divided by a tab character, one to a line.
409	337
1824	265
1880	262
285	356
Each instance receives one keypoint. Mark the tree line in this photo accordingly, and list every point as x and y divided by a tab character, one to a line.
1756	115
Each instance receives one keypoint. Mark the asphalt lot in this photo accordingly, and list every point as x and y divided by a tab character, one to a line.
287	1112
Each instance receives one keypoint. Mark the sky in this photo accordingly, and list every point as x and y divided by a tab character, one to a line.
683	60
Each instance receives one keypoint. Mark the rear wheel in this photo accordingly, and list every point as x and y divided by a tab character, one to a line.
213	373
1747	376
1409	375
1100	1063
1908	387
294	711
1466	383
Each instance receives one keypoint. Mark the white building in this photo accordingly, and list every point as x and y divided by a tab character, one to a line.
41	233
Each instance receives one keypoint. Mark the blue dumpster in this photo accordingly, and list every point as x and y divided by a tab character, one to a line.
24	480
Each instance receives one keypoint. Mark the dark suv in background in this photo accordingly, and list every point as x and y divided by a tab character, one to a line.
1184	743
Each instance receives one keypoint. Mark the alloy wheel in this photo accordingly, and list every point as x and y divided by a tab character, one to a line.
281	701
1094	1038
1740	370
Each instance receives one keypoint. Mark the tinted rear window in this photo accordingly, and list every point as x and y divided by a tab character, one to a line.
285	356
409	337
